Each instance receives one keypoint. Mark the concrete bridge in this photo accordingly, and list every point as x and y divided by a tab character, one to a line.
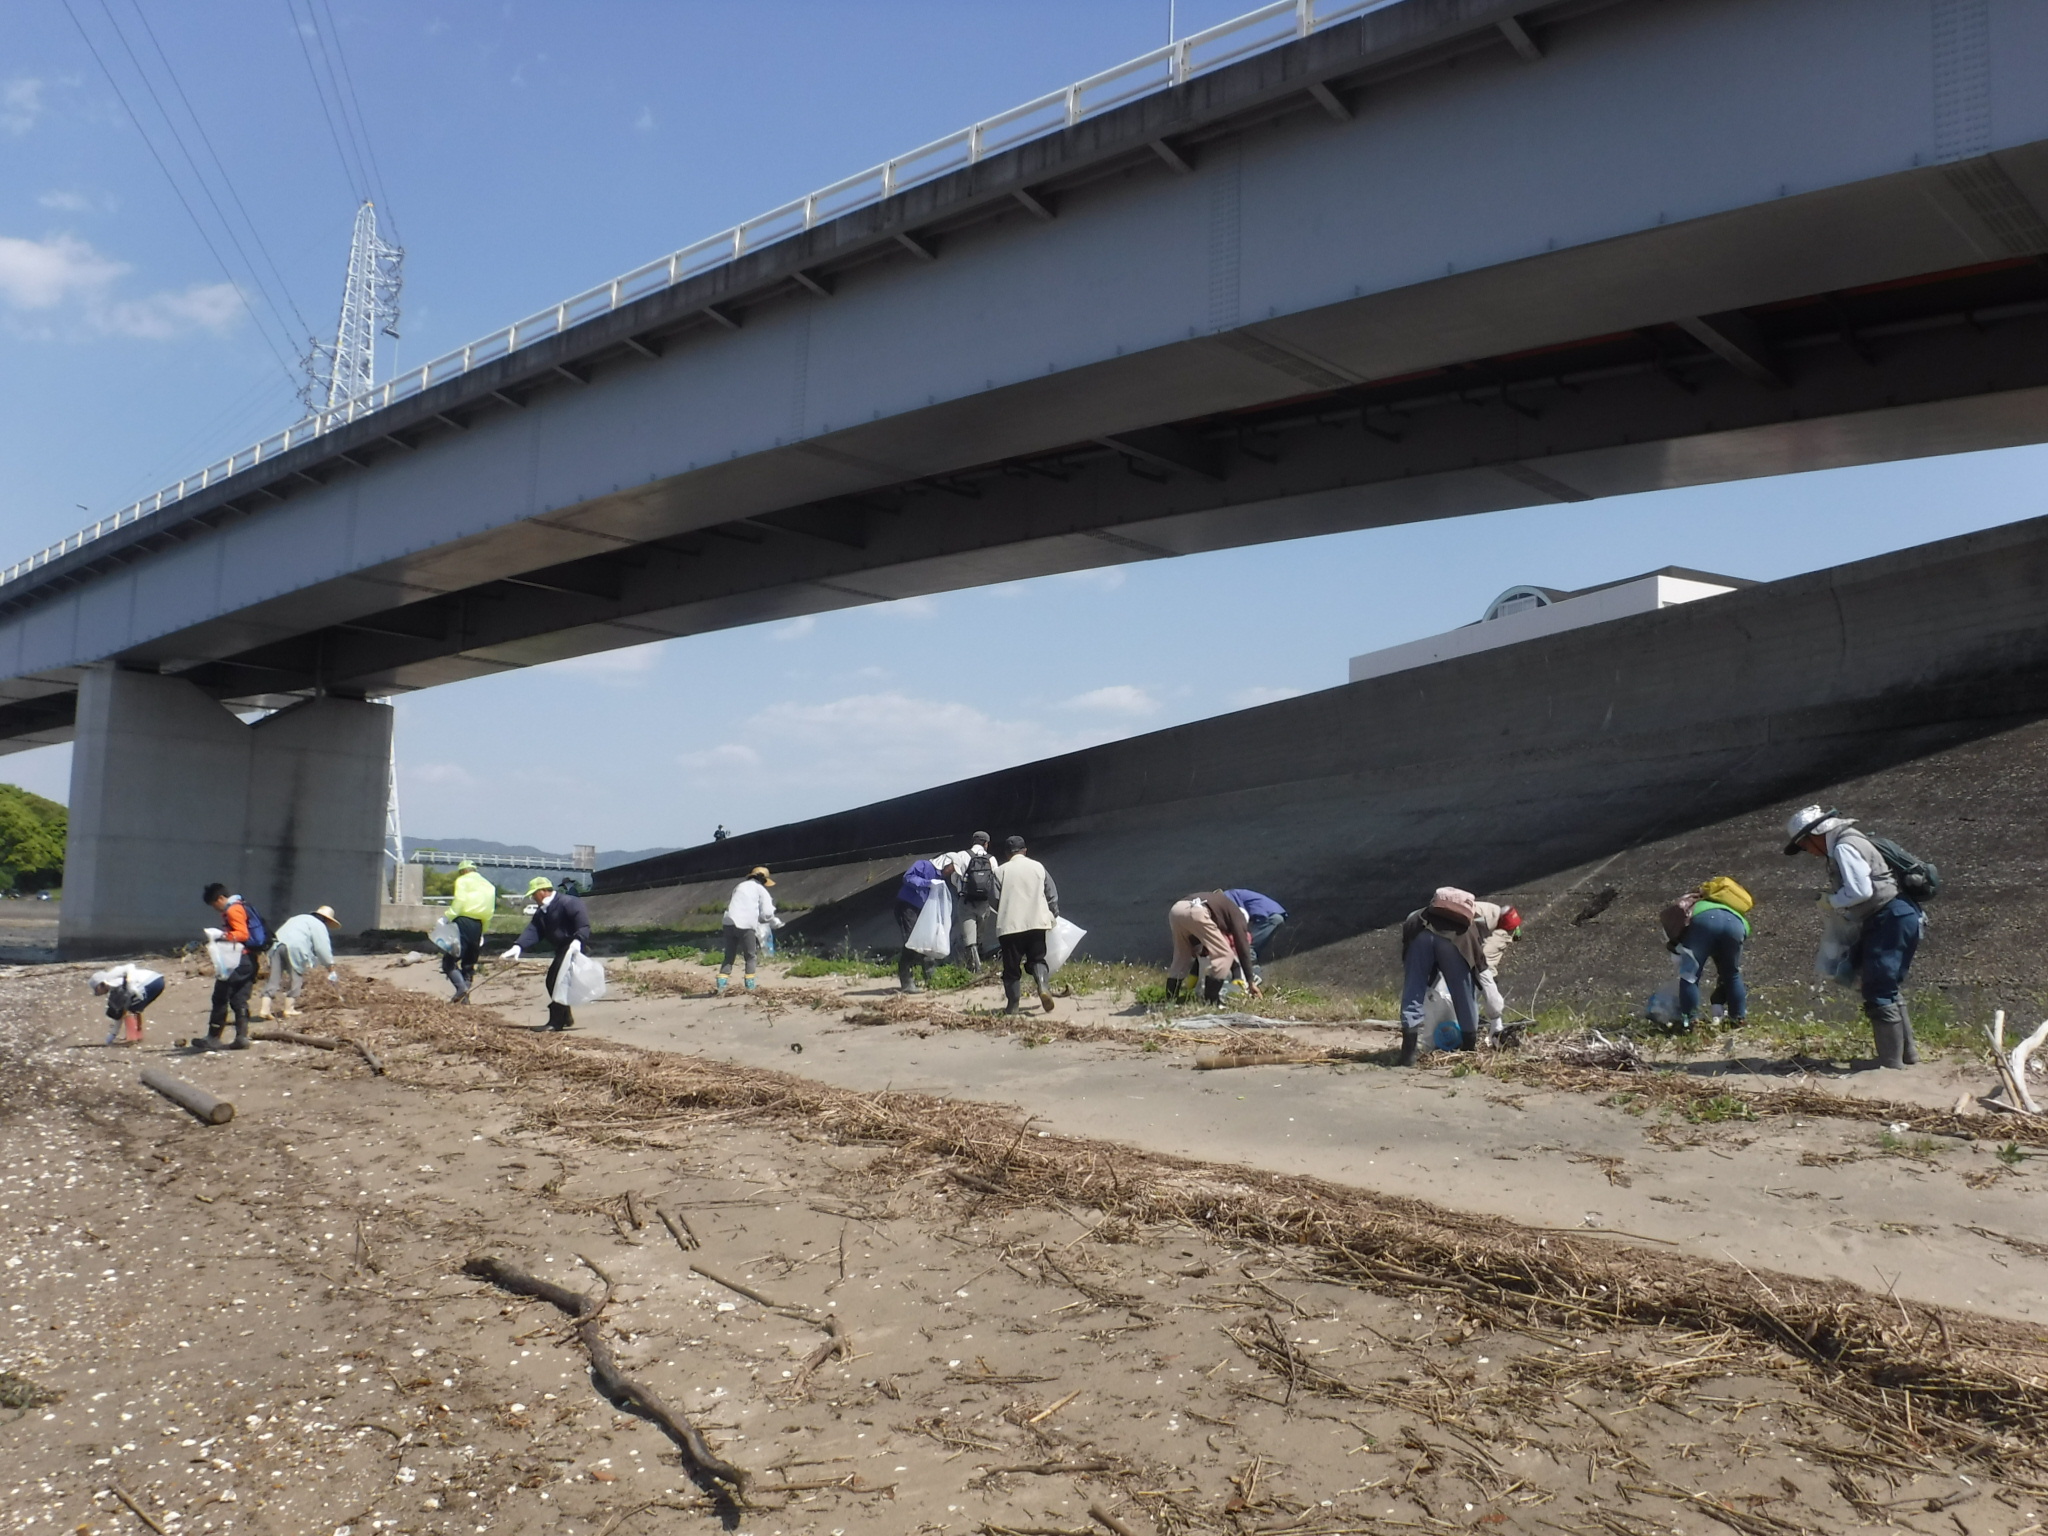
1414	259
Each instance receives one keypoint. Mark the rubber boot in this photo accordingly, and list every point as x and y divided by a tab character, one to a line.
1909	1050
1411	1046
568	1017
291	1009
557	1015
1041	978
925	970
751	984
241	1040
1468	1039
718	987
1013	993
263	1007
1888	1030
131	1028
905	982
1173	989
1212	989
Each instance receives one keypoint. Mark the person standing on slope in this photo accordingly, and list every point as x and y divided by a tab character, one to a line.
1027	905
1872	889
750	909
559	919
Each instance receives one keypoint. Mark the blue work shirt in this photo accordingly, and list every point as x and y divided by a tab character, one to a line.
917	883
1257	906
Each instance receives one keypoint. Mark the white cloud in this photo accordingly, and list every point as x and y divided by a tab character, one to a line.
453	774
68	202
729	754
1246	698
21	103
44	275
1116	699
41	274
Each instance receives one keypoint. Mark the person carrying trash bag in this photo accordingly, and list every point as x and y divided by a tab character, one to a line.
1213	927
558	919
128	990
302	943
750	910
1027	905
1880	886
470	909
1710	922
240	925
1443	938
921	882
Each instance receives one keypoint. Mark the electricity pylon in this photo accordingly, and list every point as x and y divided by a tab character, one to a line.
338	373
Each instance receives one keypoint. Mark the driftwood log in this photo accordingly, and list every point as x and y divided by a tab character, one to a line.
613	1384
1224	1061
189	1096
319	1043
2012	1066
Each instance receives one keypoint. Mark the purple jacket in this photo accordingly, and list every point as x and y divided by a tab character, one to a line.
917	884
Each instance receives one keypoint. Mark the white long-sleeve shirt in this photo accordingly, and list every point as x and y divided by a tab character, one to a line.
751	905
1855	872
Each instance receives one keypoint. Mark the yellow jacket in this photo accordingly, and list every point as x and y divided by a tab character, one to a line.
474	897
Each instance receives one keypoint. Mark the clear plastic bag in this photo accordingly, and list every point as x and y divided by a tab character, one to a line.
226	956
1839	935
933	933
446	937
1437	1007
1061	943
581	979
1662	1008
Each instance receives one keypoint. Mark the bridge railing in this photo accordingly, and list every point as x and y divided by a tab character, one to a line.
1196	54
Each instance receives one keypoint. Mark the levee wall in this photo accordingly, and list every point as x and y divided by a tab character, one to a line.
1485	771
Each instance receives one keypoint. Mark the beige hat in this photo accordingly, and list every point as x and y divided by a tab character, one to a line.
760	872
326	915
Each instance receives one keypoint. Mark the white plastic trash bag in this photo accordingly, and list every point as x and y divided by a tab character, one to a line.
933	933
226	956
1437	1007
581	979
1838	936
446	937
1061	943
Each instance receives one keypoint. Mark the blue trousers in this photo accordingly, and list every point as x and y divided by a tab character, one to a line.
1717	936
1891	935
1263	929
1430	956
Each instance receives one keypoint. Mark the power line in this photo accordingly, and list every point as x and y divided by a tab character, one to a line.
178	191
359	187
199	176
369	148
226	180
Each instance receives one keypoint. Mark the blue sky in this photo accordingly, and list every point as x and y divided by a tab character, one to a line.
529	150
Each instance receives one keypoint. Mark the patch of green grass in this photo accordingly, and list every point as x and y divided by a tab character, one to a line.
1722	1106
668	952
2011	1155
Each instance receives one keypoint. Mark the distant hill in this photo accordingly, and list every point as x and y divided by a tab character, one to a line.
32	840
482	847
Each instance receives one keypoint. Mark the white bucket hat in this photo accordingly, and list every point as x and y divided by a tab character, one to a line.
1811	822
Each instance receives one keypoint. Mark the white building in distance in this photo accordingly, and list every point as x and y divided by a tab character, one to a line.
1523	613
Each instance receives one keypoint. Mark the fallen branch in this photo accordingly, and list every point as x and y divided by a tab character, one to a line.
1224	1061
202	1104
611	1383
319	1043
678	1228
2012	1066
136	1509
1108	1521
839	1343
1048	1468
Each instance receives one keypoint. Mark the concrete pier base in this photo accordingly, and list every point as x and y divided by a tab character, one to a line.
169	791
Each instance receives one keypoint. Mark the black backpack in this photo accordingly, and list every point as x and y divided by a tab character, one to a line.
1918	879
978	885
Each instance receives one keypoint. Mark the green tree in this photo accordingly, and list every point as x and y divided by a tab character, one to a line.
32	833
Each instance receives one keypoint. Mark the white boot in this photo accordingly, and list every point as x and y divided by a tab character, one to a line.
291	1010
263	1007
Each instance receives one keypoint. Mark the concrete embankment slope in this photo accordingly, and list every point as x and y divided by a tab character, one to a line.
1496	770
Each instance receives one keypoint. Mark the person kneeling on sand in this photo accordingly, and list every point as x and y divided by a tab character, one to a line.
302	943
750	909
128	990
1027	905
1444	938
558	919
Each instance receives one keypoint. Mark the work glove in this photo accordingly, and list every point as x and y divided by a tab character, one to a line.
775	922
510	954
334	977
213	935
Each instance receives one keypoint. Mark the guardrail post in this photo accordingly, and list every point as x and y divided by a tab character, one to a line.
1073	105
1304	17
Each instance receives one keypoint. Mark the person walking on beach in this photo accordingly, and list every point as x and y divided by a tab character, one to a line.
239	924
977	874
750	909
471	908
1027	905
559	919
911	897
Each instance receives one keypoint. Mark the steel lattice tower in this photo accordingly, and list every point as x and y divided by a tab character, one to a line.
369	307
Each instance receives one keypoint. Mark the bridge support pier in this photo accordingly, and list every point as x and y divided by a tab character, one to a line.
169	790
